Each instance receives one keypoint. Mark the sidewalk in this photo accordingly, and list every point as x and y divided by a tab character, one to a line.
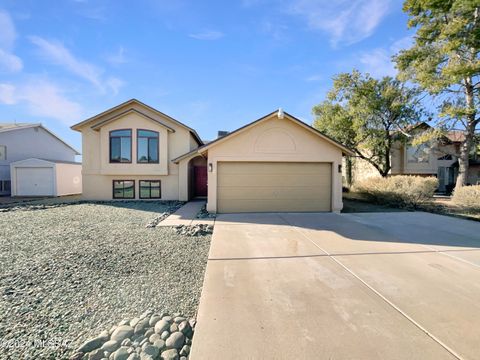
187	215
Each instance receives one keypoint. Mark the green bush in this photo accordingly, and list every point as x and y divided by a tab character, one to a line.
399	191
467	197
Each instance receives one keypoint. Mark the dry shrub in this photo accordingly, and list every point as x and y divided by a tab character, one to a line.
399	191
467	197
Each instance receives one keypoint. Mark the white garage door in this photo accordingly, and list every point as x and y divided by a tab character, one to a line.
34	181
273	187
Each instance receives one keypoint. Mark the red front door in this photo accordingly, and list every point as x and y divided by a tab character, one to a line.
200	179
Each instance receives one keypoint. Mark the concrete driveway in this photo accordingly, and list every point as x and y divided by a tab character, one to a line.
350	286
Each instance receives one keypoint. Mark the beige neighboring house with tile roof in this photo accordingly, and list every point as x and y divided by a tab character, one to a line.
437	158
276	163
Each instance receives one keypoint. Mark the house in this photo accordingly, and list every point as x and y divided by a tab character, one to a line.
276	163
438	158
36	162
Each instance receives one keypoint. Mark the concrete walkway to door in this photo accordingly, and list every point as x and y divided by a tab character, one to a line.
186	215
351	286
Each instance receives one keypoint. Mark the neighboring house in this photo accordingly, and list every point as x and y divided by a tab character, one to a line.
30	155
437	158
277	163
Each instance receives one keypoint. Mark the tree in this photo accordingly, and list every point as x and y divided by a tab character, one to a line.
367	115
444	60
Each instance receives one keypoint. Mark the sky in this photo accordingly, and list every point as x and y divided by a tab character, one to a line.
213	65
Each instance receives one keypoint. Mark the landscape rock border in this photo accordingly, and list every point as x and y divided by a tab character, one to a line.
204	214
151	336
194	230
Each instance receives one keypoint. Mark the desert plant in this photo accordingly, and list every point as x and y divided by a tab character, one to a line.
399	191
467	197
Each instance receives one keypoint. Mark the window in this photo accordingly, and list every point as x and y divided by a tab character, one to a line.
5	186
123	189
121	146
147	146
3	152
418	154
150	189
445	157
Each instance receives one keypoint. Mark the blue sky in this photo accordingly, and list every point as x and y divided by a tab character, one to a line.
214	65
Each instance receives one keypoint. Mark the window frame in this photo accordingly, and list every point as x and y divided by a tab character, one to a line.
4	152
110	137
150	189
148	146
423	147
123	198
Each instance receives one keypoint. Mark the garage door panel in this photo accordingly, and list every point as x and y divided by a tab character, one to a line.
265	193
269	186
227	206
287	168
295	180
34	181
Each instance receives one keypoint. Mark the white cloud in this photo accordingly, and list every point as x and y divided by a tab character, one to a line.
403	43
275	29
346	21
207	35
9	62
8	33
59	55
117	58
378	62
42	98
313	78
114	84
7	94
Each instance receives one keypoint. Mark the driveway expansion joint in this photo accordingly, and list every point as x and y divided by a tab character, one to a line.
390	303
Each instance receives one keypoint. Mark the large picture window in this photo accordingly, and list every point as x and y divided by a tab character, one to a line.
150	189
121	146
418	154
147	146
123	189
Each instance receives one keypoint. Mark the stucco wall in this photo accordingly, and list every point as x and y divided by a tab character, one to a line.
69	179
474	175
99	187
98	173
31	143
275	140
400	166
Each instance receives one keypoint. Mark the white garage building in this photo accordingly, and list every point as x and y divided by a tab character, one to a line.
39	177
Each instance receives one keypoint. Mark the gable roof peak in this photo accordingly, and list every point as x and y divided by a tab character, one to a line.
137	102
280	113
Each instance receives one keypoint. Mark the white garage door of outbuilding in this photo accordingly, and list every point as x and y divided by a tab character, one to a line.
35	181
274	187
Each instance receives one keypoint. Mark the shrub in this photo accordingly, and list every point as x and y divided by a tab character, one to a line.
399	191
467	197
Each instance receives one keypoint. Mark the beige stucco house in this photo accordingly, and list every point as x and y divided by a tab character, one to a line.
437	158
276	163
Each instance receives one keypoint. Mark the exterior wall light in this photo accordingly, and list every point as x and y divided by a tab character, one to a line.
210	167
340	168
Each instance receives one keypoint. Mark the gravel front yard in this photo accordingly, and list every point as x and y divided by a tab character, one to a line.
68	273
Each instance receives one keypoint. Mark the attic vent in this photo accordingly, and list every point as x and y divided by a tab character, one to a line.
221	134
